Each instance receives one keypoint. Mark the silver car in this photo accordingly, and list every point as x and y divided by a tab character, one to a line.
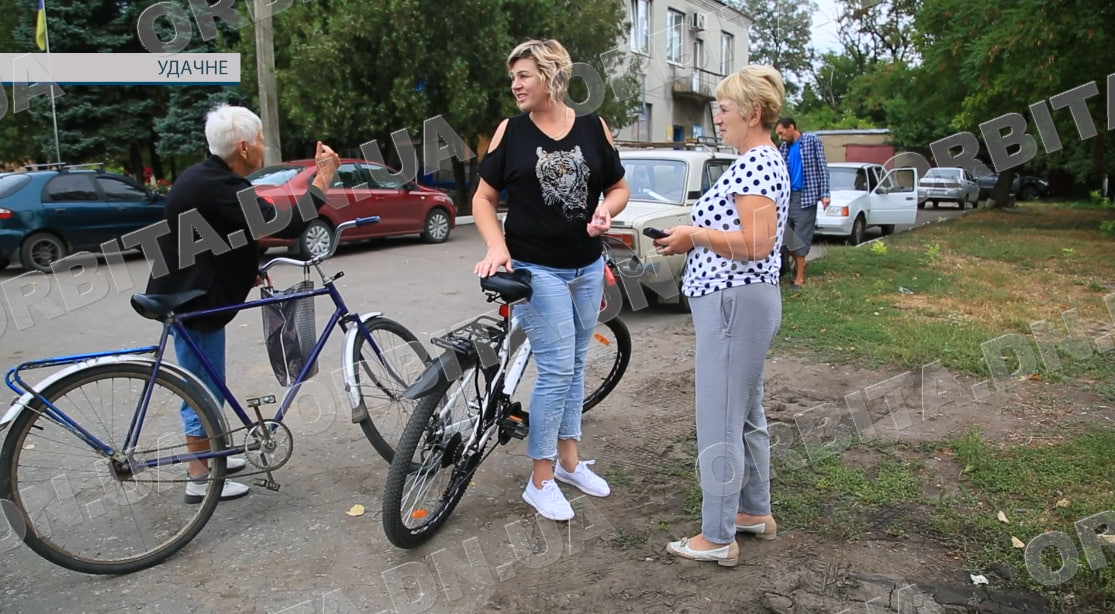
948	184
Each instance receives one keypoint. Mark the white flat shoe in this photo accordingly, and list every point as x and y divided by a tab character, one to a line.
725	556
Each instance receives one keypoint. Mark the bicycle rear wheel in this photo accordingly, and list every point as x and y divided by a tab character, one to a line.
432	466
608	355
77	508
382	373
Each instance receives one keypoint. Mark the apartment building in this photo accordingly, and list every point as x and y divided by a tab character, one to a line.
685	47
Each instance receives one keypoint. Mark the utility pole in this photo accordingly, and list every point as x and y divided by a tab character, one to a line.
265	71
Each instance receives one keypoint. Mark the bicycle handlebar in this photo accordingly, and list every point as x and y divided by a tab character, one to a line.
343	226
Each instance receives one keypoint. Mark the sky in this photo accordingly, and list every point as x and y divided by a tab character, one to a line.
824	26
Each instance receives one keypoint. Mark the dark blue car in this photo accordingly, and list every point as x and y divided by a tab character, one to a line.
46	215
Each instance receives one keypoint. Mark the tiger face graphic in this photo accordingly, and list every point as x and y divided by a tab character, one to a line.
564	179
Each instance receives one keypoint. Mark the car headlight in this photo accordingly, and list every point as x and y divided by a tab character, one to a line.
834	211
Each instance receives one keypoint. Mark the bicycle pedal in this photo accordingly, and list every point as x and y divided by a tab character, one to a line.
516	424
268	484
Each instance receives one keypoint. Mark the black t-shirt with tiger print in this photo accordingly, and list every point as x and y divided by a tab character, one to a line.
553	188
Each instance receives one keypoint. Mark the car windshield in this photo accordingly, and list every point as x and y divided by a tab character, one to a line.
844	178
656	180
9	184
274	175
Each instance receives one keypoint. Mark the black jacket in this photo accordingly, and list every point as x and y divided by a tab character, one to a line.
228	275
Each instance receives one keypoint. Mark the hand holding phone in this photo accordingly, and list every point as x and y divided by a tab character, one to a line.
654	233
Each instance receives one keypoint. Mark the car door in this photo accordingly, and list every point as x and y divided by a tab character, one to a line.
128	206
400	210
971	187
73	207
349	197
894	200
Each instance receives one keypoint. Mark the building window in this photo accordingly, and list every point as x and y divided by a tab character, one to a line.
675	26
640	25
727	53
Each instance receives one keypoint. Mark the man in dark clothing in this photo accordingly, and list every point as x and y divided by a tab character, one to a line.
205	206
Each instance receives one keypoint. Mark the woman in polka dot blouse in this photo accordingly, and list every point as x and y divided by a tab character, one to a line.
731	279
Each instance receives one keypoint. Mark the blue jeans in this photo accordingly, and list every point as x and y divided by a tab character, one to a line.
559	321
212	346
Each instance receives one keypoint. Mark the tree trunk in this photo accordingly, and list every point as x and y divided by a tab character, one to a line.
156	162
1000	194
136	162
464	204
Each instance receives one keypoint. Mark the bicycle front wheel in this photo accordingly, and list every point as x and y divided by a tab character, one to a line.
382	372
608	355
433	465
79	509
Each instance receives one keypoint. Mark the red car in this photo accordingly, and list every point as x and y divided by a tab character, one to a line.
404	207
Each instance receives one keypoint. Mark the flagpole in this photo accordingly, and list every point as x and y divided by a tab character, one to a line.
53	110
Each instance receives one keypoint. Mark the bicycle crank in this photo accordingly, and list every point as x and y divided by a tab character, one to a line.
268	446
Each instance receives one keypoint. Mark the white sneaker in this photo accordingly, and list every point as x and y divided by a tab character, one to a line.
197	487
583	478
232	465
548	500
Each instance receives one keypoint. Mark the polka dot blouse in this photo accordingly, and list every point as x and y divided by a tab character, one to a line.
762	171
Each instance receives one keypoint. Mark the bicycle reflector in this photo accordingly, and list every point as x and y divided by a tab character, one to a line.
504	311
418	514
609	277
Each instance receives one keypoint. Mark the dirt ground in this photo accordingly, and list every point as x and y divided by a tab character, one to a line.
645	428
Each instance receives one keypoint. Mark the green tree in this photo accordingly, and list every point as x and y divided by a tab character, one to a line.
17	130
364	71
983	59
110	124
780	36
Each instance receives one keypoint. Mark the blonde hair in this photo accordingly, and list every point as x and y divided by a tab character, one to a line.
755	85
555	67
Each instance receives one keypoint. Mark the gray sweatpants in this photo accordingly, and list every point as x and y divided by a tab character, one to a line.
735	328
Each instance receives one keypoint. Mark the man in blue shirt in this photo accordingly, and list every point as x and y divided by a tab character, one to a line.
809	184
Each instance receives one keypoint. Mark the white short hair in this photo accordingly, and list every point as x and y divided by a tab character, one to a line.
225	125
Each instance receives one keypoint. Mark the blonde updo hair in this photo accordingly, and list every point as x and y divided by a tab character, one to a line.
755	85
555	67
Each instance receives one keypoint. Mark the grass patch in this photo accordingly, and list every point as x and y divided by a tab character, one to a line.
1039	490
619	476
939	292
622	539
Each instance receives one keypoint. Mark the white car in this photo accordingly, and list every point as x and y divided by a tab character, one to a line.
664	184
862	195
949	184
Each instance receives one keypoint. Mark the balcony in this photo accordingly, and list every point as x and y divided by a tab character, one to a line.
695	84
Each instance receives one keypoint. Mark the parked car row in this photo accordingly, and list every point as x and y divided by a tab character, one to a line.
666	183
46	215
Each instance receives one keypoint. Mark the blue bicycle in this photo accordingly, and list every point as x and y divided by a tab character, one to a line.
93	467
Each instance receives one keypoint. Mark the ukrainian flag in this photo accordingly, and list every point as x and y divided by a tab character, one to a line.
40	26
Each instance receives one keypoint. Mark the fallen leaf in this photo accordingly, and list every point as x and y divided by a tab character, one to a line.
29	446
1003	518
1017	543
1110	539
1063	503
356	510
977	580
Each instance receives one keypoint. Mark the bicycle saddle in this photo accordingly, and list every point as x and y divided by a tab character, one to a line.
511	287
159	306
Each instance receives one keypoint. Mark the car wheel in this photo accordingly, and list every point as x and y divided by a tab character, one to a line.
859	230
40	250
4	262
316	240
436	229
1028	193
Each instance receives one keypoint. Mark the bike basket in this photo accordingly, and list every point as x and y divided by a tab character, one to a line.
289	330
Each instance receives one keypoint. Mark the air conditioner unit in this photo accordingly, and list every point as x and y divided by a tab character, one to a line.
697	21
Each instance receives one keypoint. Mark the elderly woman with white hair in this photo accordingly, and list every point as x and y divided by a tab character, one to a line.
226	273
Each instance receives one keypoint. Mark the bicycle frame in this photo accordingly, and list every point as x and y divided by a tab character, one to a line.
341	316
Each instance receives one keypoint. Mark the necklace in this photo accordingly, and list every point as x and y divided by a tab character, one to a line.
564	125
